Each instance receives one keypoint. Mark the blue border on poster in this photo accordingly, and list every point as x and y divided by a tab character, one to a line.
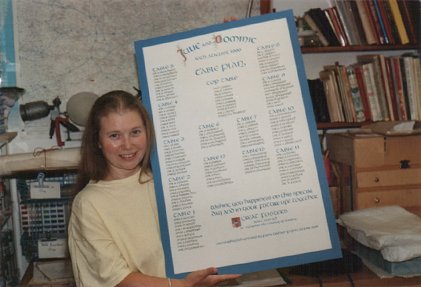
335	251
7	47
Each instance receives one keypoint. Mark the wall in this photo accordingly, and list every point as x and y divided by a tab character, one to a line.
64	47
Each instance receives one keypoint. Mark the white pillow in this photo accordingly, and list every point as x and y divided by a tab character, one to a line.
392	230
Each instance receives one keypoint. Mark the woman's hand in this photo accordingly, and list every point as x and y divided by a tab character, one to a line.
206	278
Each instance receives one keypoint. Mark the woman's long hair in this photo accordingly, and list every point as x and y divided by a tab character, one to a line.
93	165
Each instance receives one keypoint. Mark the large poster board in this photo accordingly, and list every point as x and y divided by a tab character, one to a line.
237	168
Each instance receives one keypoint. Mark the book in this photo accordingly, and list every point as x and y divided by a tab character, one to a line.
375	19
345	15
417	65
358	71
373	100
342	90
320	19
336	24
358	23
385	76
394	28
394	113
397	16
386	21
398	86
313	26
411	20
381	21
355	94
408	71
341	24
378	82
347	93
318	99
367	25
414	7
332	99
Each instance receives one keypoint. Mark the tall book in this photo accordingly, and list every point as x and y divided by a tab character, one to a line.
318	99
393	26
313	26
347	93
410	85
319	17
394	116
379	83
381	20
345	14
359	26
355	94
359	75
376	21
386	21
336	24
370	88
338	91
417	64
332	98
370	34
397	16
410	11
398	85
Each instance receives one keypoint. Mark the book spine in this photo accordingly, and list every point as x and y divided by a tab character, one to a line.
358	23
372	98
417	65
313	26
406	64
361	85
376	22
335	25
385	87
399	21
389	86
340	7
408	21
347	94
322	22
399	92
381	21
355	95
364	16
386	21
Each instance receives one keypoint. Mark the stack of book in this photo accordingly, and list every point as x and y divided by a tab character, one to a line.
366	22
375	88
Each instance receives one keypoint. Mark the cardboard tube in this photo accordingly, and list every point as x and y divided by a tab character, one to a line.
52	159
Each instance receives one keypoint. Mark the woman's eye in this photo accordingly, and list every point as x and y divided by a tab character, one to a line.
137	132
113	136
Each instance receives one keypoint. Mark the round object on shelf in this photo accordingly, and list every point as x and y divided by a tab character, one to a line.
79	106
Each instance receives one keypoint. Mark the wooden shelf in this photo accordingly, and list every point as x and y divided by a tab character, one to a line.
6	138
329	126
335	49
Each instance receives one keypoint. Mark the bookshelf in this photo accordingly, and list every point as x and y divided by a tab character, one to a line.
350	52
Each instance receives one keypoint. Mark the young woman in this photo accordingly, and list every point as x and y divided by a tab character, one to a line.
114	237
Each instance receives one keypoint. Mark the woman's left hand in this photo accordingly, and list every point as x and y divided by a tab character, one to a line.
206	278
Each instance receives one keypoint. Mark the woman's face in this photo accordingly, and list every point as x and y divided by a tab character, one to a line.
122	139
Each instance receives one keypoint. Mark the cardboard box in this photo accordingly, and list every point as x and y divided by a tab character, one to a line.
373	150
